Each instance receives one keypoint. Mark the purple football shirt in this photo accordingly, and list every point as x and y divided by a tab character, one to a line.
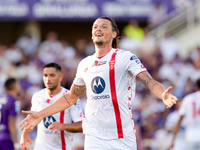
7	109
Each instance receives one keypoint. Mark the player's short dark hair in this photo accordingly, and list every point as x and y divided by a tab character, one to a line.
115	43
9	84
54	65
198	83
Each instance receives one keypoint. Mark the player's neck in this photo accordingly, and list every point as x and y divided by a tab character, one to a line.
102	51
13	93
55	91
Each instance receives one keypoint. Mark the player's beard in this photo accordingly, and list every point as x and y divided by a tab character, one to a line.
53	88
19	93
99	43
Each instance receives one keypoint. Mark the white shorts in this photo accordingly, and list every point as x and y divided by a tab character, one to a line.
95	143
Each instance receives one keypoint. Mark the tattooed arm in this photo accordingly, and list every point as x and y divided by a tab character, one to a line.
59	105
155	87
64	101
158	89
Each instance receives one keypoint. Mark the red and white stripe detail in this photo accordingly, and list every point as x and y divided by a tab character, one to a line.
114	95
62	134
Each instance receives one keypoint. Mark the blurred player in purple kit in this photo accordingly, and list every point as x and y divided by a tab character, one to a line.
8	113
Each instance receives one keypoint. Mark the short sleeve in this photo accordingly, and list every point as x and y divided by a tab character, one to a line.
182	109
76	112
34	103
78	78
133	64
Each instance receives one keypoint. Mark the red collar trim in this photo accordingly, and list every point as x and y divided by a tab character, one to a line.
101	56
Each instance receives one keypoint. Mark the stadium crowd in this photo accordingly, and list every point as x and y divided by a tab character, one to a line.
25	59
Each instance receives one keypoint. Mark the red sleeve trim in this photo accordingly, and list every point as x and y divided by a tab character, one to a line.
140	72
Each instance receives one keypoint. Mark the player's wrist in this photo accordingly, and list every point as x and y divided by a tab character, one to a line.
41	114
62	126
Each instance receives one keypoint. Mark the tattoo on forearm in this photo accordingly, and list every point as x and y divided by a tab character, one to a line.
147	80
66	100
153	84
79	91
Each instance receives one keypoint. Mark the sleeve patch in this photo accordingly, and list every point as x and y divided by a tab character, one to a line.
137	61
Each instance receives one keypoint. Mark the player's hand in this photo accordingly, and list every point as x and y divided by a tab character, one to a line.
23	141
168	99
31	120
56	126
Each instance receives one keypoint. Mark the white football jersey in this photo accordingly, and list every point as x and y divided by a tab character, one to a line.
170	124
61	140
110	87
190	108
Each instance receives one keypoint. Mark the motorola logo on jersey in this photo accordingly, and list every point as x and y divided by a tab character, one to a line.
48	120
98	85
101	97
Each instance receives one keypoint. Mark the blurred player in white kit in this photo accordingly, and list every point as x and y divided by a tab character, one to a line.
170	125
54	131
190	110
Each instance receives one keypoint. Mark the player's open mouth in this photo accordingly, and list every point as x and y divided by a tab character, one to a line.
99	35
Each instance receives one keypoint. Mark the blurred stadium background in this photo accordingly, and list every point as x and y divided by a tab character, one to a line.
163	34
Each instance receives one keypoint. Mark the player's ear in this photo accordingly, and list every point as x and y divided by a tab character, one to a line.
114	34
60	77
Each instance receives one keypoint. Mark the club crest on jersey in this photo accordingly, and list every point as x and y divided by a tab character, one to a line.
98	85
48	120
137	61
98	63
